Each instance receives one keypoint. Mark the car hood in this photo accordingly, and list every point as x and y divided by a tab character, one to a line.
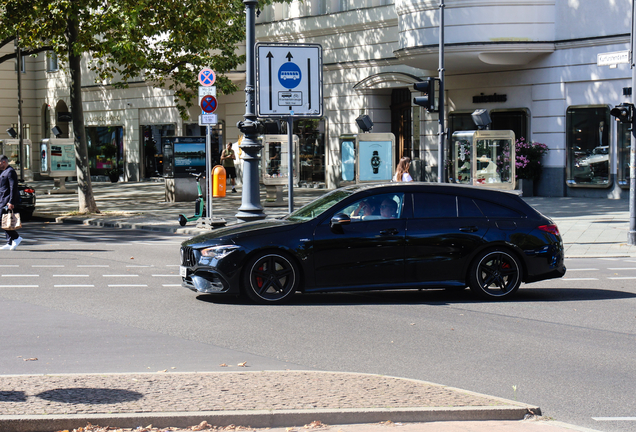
234	232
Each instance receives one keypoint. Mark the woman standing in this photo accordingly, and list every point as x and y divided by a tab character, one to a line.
9	197
402	171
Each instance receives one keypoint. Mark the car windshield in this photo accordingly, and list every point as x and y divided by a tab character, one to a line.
319	206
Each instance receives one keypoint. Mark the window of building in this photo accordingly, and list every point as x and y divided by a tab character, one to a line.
23	68
624	147
51	62
311	134
588	149
46	121
152	149
105	148
516	120
26	130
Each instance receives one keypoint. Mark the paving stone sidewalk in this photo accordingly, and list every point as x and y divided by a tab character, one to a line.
216	391
47	403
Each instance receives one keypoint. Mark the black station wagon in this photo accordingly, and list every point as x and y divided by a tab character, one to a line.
381	237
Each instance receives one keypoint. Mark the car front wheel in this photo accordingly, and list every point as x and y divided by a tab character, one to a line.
271	278
495	274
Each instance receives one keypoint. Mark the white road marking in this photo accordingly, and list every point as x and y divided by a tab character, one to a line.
124	275
17	275
70	275
173	275
73	286
622	268
614	418
92	265
171	285
125	285
622	278
48	265
10	265
19	286
579	279
582	269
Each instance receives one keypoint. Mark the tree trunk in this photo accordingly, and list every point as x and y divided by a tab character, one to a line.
84	187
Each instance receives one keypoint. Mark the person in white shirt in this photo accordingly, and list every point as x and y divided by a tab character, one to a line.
402	171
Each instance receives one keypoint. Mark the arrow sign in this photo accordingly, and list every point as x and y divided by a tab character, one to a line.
208	104
289	75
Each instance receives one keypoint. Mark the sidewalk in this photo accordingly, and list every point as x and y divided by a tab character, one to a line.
277	400
591	227
262	399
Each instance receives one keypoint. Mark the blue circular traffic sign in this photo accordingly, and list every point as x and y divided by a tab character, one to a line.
207	77
289	75
208	104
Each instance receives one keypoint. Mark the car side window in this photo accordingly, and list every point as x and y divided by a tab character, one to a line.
492	210
468	208
432	205
375	207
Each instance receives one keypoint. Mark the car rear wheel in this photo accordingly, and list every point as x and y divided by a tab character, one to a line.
495	274
271	278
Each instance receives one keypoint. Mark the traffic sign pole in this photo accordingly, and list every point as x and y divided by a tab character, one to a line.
290	154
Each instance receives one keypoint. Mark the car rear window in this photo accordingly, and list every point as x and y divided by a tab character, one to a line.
430	205
492	210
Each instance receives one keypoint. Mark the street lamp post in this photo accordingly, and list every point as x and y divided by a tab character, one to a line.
631	236
441	168
251	208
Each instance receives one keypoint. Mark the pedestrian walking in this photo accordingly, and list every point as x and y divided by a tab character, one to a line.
9	197
227	160
402	171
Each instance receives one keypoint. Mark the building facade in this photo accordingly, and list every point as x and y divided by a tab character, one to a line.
532	64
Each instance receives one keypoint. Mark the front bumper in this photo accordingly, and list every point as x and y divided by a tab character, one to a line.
205	282
207	275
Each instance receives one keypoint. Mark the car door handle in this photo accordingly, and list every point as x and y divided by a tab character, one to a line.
390	231
470	229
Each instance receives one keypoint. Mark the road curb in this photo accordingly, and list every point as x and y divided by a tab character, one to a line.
264	418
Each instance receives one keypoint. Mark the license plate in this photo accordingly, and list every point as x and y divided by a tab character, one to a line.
183	271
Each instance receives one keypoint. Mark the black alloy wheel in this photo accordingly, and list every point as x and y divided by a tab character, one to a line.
495	274
271	278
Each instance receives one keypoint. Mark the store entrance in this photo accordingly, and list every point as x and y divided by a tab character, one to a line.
401	122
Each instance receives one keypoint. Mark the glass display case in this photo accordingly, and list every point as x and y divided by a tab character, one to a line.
483	157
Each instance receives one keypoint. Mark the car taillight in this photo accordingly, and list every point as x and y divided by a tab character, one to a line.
552	229
29	190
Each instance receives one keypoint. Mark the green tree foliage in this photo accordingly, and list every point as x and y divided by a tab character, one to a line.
160	42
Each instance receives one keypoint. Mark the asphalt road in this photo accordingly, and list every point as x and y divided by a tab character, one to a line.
87	299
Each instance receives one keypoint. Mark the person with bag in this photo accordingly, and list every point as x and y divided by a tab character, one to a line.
9	197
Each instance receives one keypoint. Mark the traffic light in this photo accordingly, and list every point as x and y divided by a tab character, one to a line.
427	86
624	112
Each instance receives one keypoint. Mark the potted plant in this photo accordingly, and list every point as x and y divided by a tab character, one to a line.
528	164
114	174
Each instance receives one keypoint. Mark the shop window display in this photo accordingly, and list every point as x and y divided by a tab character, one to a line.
588	149
311	134
624	147
105	149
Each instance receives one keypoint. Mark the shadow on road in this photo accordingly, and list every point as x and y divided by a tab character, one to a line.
90	395
431	297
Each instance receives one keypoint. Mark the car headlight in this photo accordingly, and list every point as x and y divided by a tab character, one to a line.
218	251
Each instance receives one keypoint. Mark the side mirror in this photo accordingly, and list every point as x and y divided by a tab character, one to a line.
340	219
